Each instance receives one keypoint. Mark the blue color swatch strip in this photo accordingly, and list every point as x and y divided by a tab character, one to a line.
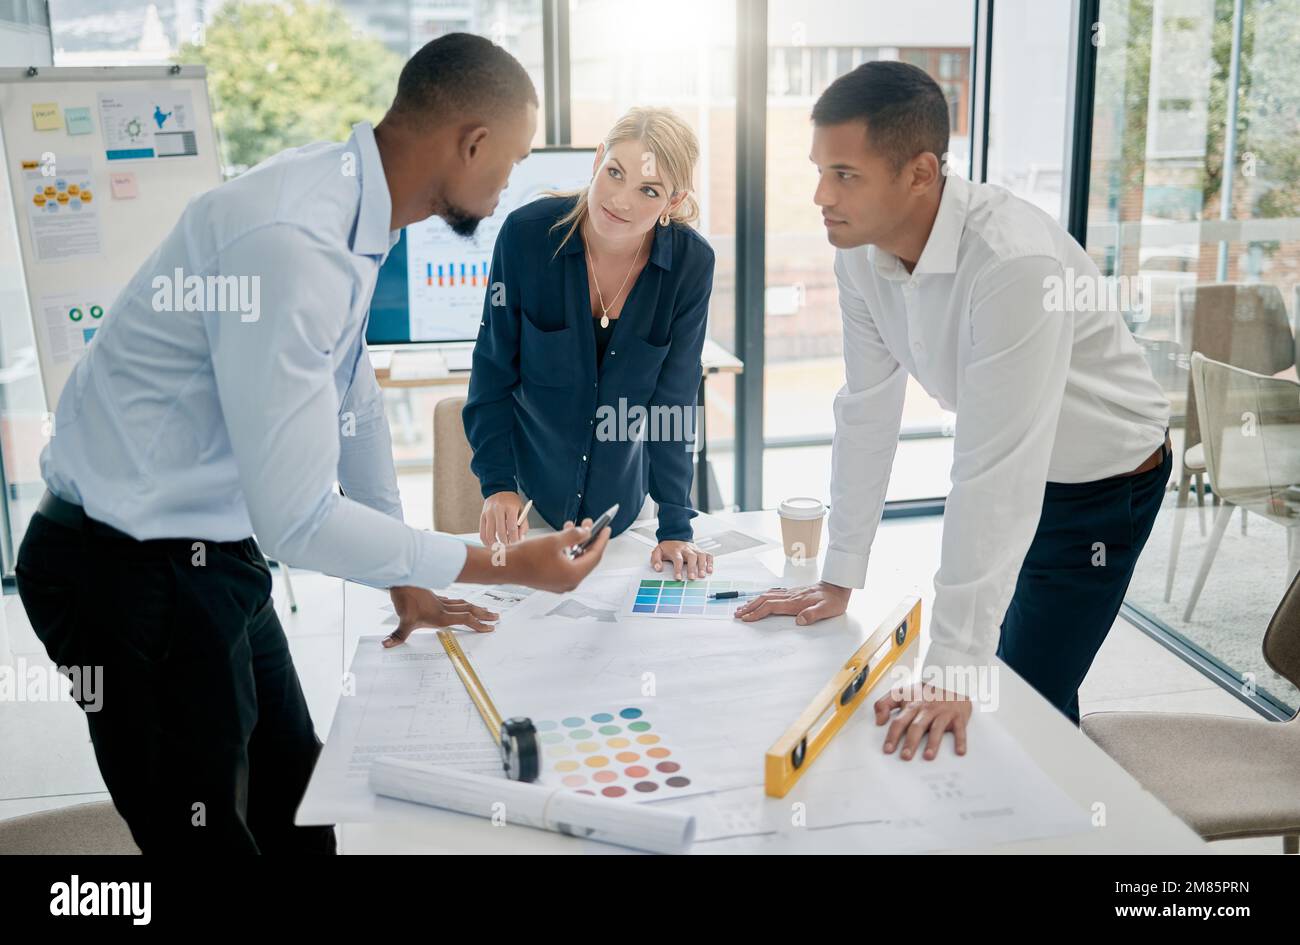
688	598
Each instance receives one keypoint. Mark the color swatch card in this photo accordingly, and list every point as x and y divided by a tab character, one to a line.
618	754
659	597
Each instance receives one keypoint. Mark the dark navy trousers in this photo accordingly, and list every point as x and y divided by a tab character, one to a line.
1074	579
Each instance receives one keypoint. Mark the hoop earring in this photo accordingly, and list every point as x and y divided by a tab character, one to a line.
664	219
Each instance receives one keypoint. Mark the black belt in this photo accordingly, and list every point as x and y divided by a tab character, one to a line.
70	515
61	512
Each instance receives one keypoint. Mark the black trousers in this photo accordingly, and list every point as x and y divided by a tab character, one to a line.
1074	579
202	734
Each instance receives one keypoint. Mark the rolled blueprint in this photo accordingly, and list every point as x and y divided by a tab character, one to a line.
639	826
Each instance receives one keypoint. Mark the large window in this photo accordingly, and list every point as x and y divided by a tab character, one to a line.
693	72
1029	74
614	62
1194	194
346	55
809	45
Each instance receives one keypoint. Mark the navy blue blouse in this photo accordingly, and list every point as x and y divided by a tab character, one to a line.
543	417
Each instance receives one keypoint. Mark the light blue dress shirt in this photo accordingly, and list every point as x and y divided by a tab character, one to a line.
241	416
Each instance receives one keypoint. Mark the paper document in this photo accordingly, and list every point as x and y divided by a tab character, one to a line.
499	599
405	702
709	536
148	124
505	802
70	320
857	797
62	208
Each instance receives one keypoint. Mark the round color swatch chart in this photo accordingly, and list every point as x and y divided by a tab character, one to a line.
614	754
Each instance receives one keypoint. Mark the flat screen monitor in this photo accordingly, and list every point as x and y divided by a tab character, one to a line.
431	286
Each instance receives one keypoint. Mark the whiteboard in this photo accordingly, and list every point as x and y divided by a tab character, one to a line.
99	163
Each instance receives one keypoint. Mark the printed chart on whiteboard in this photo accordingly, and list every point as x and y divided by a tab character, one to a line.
61	207
146	125
70	320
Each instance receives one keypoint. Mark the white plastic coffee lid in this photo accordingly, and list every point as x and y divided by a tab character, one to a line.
802	507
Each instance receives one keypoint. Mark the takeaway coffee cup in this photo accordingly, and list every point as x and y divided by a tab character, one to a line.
801	526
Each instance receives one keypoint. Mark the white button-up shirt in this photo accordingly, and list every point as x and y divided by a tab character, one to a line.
1041	392
217	424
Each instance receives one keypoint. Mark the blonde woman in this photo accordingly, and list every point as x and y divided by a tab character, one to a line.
597	306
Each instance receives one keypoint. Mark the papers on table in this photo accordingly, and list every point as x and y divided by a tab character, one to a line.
716	539
596	601
405	702
859	798
717	693
499	599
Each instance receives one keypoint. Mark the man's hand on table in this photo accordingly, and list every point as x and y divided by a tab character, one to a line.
924	712
806	605
918	711
418	607
540	562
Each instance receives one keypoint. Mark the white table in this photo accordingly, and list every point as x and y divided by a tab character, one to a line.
904	558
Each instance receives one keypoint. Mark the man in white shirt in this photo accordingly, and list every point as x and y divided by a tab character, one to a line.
1061	453
186	429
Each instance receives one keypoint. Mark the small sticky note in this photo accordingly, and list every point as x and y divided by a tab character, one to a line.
78	121
45	116
123	185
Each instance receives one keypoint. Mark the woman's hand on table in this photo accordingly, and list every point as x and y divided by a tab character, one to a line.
684	558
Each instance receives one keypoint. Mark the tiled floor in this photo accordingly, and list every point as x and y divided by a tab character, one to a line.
48	761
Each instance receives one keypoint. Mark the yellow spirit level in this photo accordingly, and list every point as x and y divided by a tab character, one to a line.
796	750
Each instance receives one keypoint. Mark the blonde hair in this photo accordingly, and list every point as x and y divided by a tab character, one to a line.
672	146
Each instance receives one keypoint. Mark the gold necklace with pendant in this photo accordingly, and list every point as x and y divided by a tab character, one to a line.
604	309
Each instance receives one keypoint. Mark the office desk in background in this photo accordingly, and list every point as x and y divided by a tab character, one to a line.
904	558
435	367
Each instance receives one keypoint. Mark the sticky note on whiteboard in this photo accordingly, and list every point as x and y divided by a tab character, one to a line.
45	116
123	185
78	121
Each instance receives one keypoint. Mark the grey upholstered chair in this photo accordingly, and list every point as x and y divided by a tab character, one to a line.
457	501
83	828
1226	778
